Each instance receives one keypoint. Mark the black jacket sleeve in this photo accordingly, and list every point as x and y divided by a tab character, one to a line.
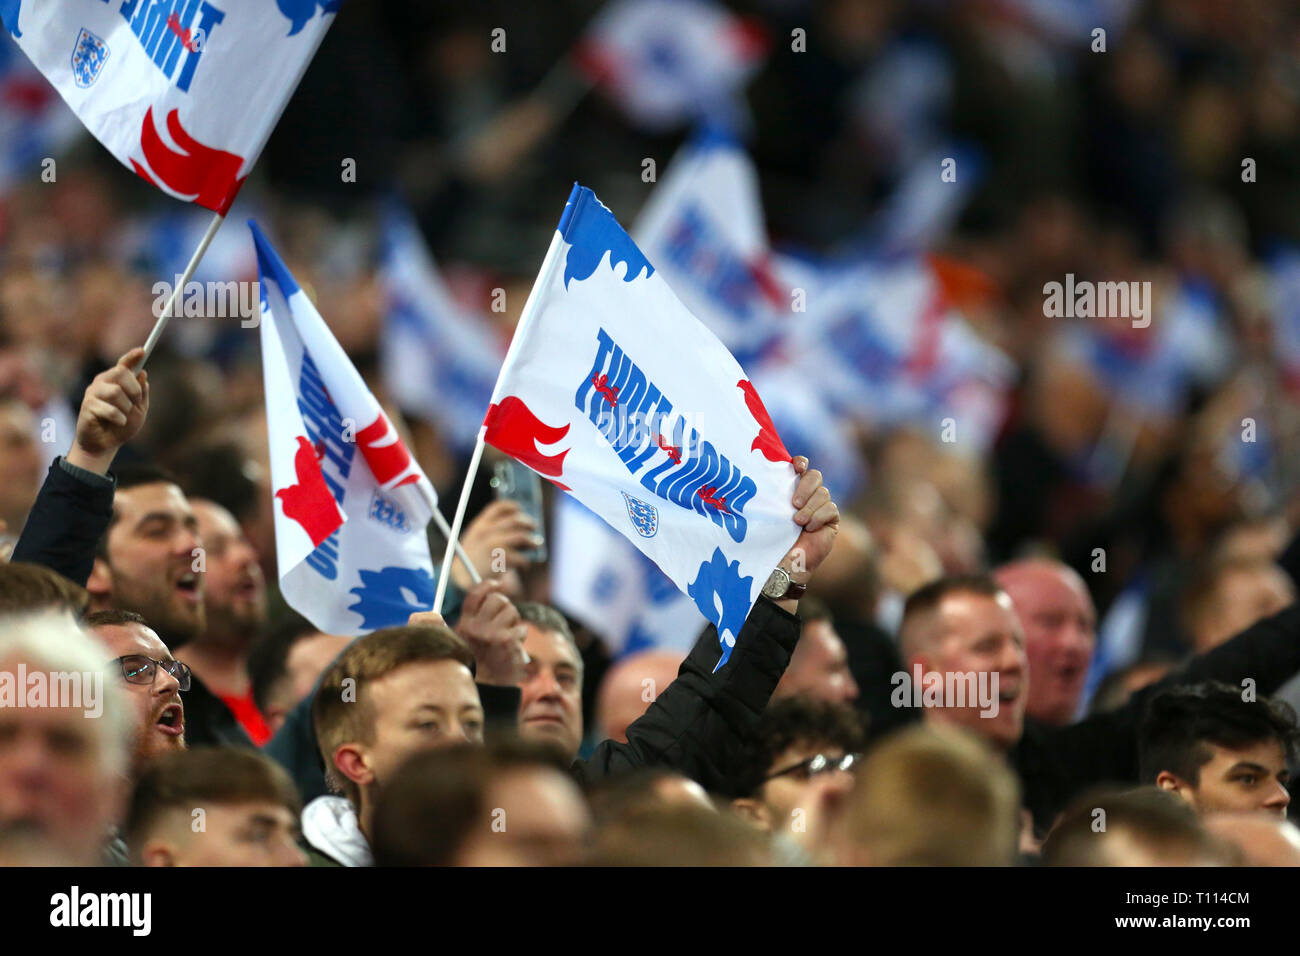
1058	763
701	722
71	513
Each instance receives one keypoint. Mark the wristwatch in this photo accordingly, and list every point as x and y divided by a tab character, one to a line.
780	586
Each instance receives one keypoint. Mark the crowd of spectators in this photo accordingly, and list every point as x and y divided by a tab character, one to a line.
1116	574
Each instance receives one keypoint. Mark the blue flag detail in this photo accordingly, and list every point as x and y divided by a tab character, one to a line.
592	231
9	14
719	582
386	598
300	12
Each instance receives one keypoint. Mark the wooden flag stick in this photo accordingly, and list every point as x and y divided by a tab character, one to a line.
170	308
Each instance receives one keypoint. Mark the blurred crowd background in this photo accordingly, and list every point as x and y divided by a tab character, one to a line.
1159	462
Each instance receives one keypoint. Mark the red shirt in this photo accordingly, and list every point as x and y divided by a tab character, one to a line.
249	717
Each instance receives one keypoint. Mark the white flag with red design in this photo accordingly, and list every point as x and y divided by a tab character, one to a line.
184	92
618	395
351	504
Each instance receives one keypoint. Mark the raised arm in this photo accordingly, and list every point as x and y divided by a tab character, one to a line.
75	504
699	724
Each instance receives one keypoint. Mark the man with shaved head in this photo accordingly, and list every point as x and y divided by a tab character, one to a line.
1060	625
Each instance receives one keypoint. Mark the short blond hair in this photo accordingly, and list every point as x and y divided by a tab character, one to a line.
337	720
929	796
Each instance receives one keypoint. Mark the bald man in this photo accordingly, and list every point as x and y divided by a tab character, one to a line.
1060	625
630	686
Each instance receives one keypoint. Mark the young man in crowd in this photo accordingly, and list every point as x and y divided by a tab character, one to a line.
1219	748
800	767
214	806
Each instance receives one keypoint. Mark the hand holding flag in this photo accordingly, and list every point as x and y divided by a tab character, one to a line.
113	410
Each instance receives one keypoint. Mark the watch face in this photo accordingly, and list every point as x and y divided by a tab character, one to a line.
778	582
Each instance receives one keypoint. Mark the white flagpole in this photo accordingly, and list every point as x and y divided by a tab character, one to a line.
441	522
530	308
453	534
169	309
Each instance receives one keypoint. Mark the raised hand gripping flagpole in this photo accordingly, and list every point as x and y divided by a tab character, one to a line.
170	308
549	264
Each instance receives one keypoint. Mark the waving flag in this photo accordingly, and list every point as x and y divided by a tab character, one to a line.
438	360
184	92
668	62
617	394
351	504
703	226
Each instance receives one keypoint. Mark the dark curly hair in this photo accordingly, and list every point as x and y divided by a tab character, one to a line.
1180	722
793	721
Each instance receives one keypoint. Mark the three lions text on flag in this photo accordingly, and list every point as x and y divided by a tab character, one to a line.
184	93
351	504
618	395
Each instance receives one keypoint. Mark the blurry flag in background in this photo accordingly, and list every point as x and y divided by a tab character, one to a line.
703	228
439	361
671	62
185	93
351	504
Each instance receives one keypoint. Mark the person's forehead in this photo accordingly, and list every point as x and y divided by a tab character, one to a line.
1039	587
550	647
446	684
248	810
153	496
969	614
132	638
1268	753
214	520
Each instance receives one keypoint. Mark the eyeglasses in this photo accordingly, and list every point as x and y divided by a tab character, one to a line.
814	766
139	669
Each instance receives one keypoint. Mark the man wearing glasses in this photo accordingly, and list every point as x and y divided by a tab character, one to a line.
802	761
152	678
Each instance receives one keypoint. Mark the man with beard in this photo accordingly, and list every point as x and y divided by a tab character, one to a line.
152	681
234	598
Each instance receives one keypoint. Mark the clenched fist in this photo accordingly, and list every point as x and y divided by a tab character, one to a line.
112	411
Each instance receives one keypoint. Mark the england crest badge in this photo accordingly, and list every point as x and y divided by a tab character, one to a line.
88	58
645	518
